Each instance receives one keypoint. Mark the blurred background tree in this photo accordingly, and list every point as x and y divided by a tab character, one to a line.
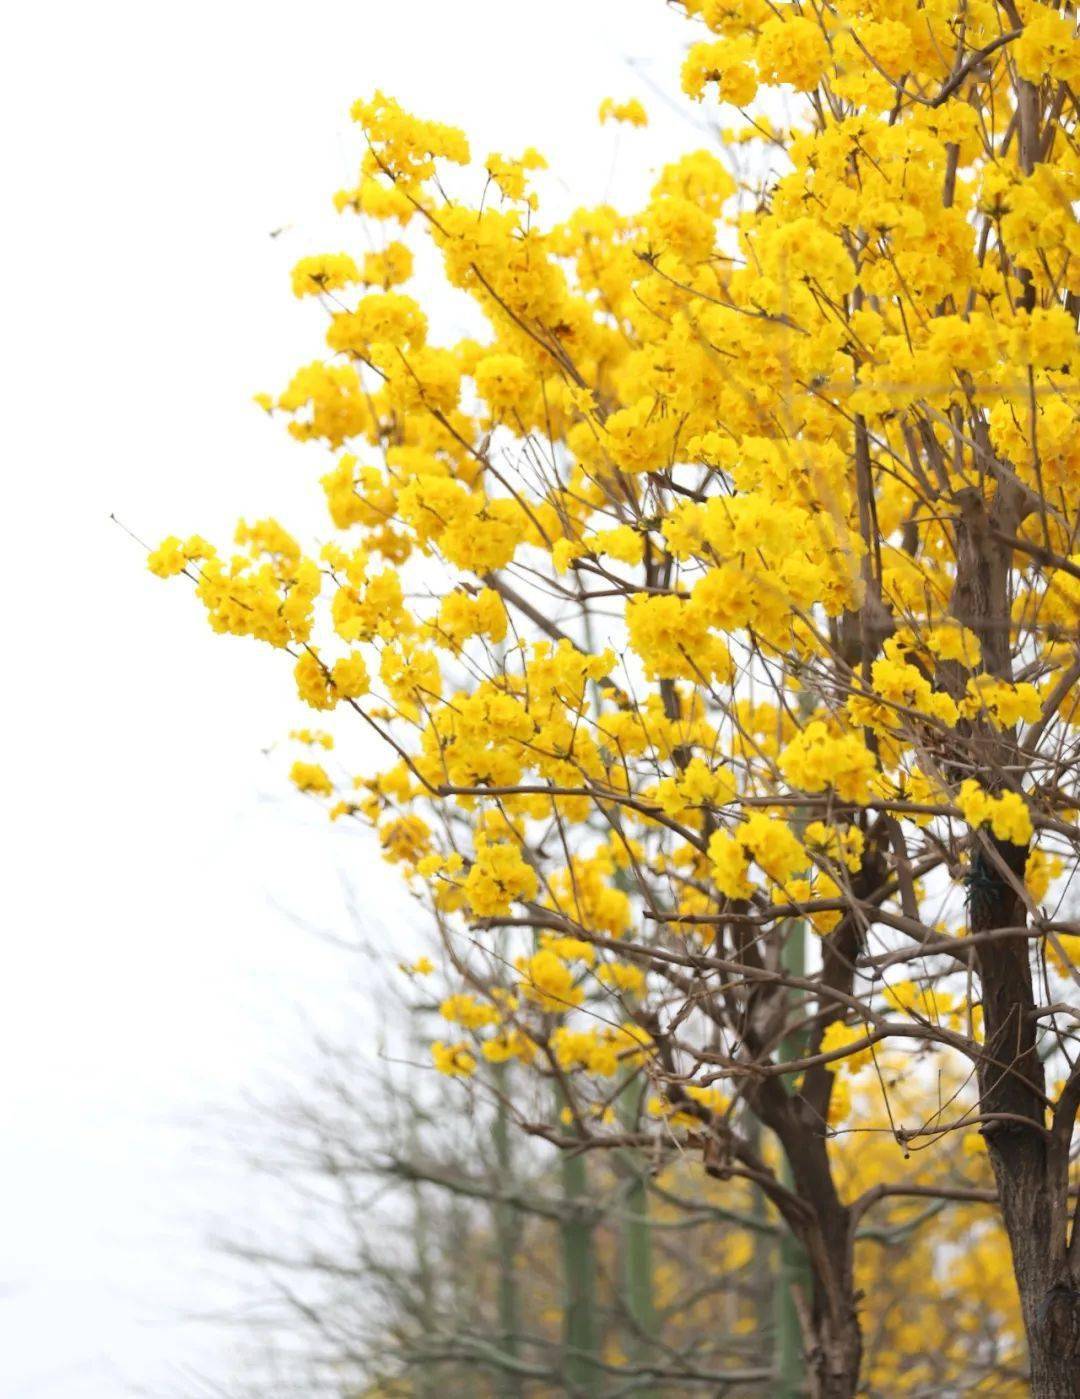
450	1257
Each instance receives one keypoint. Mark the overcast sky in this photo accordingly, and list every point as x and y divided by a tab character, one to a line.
154	968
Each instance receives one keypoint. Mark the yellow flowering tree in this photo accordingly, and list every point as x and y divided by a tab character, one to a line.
726	586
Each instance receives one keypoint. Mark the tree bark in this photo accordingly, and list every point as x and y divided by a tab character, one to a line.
1012	1085
507	1237
580	1328
1032	1185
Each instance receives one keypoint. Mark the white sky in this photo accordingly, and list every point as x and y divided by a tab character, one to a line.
150	977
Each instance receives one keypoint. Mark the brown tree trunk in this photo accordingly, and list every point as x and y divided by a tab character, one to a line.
1012	1086
833	1335
836	1357
1031	1181
830	1320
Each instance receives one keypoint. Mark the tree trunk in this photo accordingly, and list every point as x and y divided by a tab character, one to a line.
507	1237
580	1331
794	1287
1012	1084
636	1245
822	1227
830	1321
836	1359
1032	1182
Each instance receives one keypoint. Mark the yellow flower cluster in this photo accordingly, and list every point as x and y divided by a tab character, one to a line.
1006	704
547	980
402	146
329	272
468	1012
454	1060
1007	814
631	111
838	1037
497	878
511	176
763	840
817	759
311	777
